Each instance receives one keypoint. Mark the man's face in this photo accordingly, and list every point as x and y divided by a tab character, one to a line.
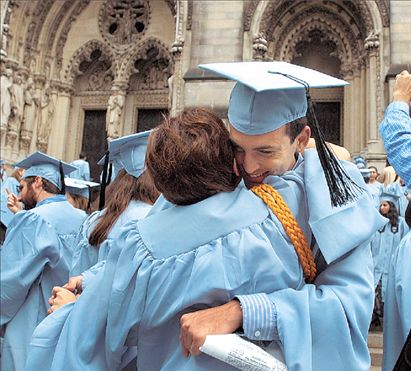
258	156
27	195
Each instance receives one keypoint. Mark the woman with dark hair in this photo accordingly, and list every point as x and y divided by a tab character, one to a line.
383	245
374	186
129	198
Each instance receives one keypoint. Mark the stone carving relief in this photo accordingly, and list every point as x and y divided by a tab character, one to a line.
94	56
96	73
114	113
150	67
122	22
29	114
16	112
47	105
6	94
40	12
260	47
65	30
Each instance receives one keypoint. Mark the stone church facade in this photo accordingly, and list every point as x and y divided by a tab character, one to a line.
74	72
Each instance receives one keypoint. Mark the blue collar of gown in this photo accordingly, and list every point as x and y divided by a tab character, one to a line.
49	200
178	229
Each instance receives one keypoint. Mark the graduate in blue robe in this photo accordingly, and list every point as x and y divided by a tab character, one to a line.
194	252
397	321
135	194
36	254
386	239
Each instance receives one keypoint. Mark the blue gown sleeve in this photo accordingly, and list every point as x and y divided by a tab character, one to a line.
319	312
395	131
397	319
30	244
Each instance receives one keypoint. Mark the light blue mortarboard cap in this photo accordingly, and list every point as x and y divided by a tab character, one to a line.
264	99
130	152
392	197
79	187
45	166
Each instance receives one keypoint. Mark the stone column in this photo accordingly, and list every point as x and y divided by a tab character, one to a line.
58	136
348	120
356	111
176	82
374	144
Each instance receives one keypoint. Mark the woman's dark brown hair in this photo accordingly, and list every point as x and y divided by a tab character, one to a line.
120	192
190	157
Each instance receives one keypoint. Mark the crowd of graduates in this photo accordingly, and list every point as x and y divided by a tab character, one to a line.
201	229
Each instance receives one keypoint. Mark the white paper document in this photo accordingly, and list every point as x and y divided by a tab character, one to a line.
240	353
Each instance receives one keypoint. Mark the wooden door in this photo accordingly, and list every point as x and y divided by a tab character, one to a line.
329	117
94	139
149	118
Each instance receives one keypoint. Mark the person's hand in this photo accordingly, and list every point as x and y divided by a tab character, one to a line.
195	326
75	284
402	87
59	297
13	202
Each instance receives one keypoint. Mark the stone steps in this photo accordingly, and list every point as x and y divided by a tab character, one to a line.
375	346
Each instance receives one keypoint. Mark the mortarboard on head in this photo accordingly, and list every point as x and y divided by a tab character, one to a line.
47	167
266	96
269	95
389	196
79	187
2	162
129	153
366	173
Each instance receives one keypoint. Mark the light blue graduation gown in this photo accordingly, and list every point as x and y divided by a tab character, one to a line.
36	256
383	246
184	258
85	255
376	189
397	306
12	184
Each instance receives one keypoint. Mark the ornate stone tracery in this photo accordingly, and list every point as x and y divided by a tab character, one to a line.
148	66
123	22
85	56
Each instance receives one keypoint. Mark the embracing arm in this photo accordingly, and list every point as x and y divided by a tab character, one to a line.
330	317
395	128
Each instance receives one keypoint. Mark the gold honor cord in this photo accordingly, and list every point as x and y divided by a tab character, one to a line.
280	209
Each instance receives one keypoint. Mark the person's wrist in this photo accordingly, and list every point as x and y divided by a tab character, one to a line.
400	97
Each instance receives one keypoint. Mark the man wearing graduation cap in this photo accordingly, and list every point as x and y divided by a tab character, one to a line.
323	325
36	254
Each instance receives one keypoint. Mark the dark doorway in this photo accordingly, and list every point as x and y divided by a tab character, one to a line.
149	118
94	140
328	116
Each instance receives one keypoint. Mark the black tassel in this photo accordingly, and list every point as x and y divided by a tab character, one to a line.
63	185
102	199
341	187
110	173
89	198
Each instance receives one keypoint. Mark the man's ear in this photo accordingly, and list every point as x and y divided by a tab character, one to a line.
38	182
303	139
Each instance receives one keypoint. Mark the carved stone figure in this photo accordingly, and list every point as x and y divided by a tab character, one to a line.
29	115
114	111
6	84
47	105
17	105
